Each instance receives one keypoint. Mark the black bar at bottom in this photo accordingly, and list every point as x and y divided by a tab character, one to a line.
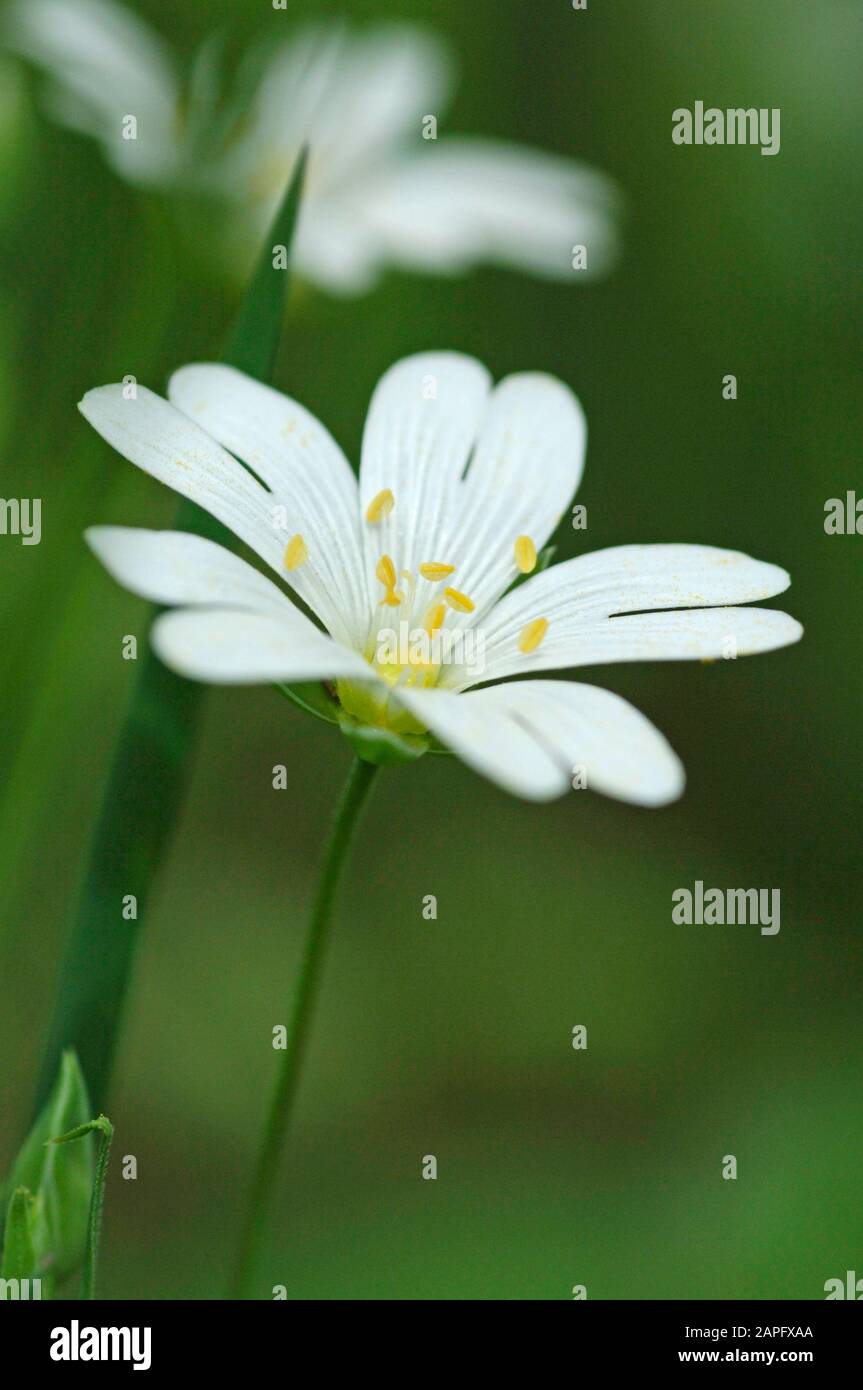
65	1337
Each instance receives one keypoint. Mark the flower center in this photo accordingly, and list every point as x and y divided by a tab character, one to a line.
409	642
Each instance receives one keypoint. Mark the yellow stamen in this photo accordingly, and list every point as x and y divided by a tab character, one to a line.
525	554
434	618
433	570
532	635
380	506
386	573
460	602
410	584
296	553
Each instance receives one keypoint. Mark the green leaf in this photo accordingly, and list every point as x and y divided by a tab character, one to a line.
148	773
60	1183
19	1251
254	341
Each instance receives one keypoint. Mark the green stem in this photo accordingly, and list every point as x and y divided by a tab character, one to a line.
302	1008
88	1280
103	1127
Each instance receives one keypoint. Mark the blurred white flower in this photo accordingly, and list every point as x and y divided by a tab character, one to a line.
377	194
460	486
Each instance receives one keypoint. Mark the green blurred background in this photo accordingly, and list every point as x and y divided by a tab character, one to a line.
453	1037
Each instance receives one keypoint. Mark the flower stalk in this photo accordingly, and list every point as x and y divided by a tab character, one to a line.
306	988
105	1130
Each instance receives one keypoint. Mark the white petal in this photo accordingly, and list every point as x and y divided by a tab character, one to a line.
579	597
105	64
490	741
342	265
595	731
308	476
386	81
161	440
525	469
463	201
236	647
351	97
706	634
532	737
176	567
523	451
634	578
423	419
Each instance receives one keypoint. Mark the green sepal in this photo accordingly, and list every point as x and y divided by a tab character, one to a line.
381	746
437	749
101	1125
60	1181
312	698
19	1236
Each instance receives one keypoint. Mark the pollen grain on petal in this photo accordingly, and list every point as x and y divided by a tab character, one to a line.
380	506
434	570
532	634
459	602
525	554
296	552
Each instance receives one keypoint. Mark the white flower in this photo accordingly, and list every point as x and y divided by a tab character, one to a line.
377	192
460	486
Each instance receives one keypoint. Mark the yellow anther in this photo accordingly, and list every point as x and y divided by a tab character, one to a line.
386	573
532	635
460	602
525	554
380	506
296	553
434	618
432	570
